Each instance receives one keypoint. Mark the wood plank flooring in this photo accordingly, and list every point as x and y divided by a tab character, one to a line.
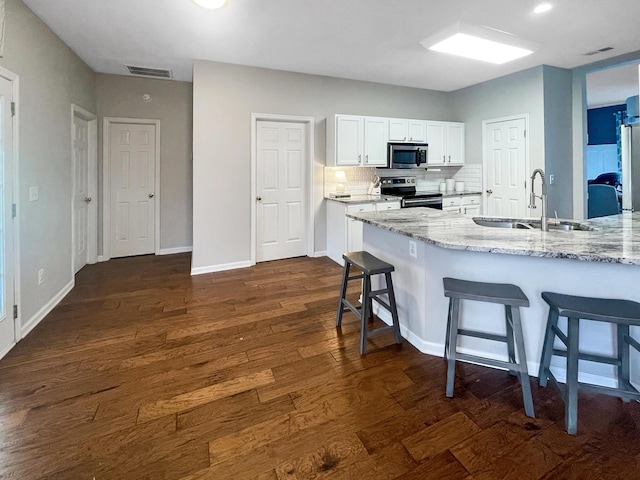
144	372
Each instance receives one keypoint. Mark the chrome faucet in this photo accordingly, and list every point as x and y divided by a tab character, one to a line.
544	220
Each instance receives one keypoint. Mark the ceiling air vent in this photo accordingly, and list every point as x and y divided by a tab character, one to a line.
600	50
149	72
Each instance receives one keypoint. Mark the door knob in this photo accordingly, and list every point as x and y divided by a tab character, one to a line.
489	191
259	199
88	199
151	195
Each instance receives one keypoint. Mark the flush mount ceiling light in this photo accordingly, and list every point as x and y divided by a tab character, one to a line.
211	4
479	43
542	7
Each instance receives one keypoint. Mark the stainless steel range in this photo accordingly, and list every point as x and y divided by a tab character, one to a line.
405	187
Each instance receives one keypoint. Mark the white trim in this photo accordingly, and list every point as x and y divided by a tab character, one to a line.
15	82
92	185
171	251
310	221
527	165
106	181
7	349
46	308
322	253
102	258
220	268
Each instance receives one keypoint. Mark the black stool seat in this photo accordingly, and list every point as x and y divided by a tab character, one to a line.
512	297
622	313
368	265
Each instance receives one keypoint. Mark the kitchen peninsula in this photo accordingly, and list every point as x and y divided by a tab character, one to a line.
426	245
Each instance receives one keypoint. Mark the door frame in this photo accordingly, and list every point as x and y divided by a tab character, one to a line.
106	181
92	185
17	323
527	166
309	181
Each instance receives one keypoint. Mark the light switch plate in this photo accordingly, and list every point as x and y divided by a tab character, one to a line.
33	194
413	248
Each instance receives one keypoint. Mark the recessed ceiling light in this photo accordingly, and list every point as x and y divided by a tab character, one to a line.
211	4
479	43
542	7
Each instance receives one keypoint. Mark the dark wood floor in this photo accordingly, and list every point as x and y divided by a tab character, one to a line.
144	372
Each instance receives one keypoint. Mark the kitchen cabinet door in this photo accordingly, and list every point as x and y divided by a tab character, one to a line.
384	206
375	142
436	138
471	205
455	144
398	130
349	140
417	130
355	227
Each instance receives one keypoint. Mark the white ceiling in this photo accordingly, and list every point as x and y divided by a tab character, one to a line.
371	40
612	86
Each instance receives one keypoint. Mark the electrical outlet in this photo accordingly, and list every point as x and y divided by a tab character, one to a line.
552	179
41	276
413	248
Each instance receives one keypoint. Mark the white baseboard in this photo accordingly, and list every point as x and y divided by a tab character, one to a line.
174	250
102	258
220	268
6	350
320	254
44	311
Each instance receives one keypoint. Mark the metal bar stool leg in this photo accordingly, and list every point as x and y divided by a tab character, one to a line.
509	326
522	363
343	293
547	347
446	340
394	308
571	394
453	339
364	317
623	359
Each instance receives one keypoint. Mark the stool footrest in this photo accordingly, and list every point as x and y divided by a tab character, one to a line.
356	277
486	336
560	334
589	357
627	391
487	361
375	293
633	342
380	331
382	303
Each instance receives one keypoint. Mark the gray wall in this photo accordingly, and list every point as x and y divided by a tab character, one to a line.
557	139
224	97
52	77
120	96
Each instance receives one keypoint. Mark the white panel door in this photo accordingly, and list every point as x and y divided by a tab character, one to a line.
281	213
505	166
7	322
132	172
81	197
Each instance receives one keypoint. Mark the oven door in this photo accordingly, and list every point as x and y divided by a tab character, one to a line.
407	155
431	202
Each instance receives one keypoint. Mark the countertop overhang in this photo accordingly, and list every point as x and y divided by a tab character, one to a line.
615	239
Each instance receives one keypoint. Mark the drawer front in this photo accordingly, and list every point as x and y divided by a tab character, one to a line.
381	207
451	202
471	200
361	207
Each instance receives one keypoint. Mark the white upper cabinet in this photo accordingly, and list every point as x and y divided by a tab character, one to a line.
375	142
446	143
358	141
349	138
412	131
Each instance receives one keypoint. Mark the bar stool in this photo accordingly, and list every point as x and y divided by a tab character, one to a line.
512	297
368	265
621	312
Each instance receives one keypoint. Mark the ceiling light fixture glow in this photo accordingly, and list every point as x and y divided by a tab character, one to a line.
479	43
211	4
542	7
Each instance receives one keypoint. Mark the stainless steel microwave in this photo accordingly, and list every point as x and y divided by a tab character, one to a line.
407	155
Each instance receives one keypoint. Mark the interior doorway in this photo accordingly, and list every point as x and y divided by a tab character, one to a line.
9	245
282	172
505	166
84	207
131	187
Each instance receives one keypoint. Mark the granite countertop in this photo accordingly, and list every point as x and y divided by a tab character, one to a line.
615	239
363	199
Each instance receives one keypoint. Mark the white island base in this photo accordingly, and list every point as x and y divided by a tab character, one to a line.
422	306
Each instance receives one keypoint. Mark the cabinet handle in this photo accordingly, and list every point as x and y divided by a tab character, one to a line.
405	138
366	159
359	158
449	158
410	139
444	158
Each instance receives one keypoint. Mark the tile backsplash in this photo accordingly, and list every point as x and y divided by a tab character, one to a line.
359	178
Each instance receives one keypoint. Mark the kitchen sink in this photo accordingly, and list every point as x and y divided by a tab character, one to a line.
562	225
